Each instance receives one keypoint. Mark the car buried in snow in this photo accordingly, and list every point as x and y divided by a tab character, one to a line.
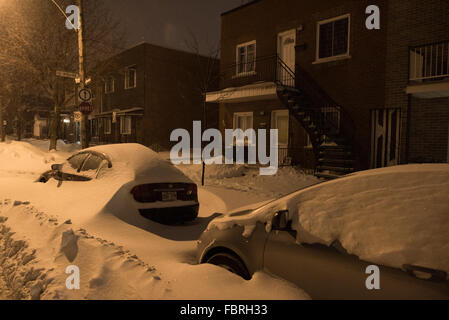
157	189
376	234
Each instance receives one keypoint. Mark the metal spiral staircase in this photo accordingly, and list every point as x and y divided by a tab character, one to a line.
330	128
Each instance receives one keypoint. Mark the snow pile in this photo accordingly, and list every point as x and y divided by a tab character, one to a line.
108	270
391	216
61	146
23	157
248	179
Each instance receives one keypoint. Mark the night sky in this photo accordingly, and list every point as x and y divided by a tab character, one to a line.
169	22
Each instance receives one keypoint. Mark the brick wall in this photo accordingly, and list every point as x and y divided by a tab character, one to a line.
424	121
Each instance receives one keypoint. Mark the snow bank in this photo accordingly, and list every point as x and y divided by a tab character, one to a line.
25	158
391	216
41	248
248	179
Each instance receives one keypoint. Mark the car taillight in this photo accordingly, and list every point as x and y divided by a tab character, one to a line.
144	193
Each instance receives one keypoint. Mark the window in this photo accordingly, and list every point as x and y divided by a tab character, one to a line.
107	126
246	57
333	38
130	77
125	125
109	85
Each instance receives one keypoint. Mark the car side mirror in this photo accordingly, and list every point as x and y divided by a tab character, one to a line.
281	221
56	167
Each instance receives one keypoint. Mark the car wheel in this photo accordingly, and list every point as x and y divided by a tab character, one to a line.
231	263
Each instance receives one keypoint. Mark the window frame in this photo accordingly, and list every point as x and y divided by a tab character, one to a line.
346	55
127	69
122	120
109	80
237	62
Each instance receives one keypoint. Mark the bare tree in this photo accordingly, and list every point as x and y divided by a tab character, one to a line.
35	41
206	77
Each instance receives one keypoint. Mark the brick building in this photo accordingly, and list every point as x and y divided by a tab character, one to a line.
146	92
343	97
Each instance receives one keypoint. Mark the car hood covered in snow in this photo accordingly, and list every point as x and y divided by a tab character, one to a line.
391	216
141	163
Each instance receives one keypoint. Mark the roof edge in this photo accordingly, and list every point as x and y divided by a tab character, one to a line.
240	7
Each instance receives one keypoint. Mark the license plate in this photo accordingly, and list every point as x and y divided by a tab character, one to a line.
169	196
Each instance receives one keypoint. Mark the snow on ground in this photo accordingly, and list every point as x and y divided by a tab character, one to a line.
247	179
389	216
46	227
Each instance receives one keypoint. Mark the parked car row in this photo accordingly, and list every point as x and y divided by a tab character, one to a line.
271	237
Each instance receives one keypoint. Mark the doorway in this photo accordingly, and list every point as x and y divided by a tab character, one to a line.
286	51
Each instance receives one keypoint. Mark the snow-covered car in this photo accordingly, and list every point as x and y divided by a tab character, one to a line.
156	188
377	234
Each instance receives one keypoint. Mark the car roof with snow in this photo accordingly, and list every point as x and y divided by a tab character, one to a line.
144	162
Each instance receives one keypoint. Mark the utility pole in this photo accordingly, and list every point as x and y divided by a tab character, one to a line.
82	75
2	120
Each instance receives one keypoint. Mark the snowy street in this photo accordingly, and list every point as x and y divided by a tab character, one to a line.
118	258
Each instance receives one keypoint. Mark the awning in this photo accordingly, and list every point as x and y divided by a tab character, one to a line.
258	91
120	112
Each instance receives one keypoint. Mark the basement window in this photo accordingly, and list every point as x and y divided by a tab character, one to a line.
333	37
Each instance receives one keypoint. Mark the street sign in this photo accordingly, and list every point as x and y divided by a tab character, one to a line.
65	74
86	108
85	94
77	116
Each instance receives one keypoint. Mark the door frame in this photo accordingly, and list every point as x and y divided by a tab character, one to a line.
274	114
282	34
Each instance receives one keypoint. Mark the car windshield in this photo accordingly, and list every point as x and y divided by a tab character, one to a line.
93	163
77	160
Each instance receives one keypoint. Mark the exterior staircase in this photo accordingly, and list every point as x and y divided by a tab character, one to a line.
330	128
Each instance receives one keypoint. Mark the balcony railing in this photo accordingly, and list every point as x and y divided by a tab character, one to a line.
263	69
429	62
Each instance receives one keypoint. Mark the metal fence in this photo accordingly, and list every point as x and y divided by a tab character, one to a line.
429	62
267	68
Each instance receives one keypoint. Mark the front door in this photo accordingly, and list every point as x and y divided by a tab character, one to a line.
385	124
286	51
